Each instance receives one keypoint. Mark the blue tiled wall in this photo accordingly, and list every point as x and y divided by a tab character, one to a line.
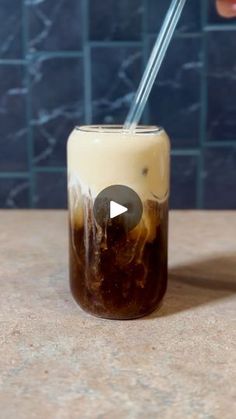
71	62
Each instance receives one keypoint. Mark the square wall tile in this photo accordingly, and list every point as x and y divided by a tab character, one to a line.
57	97
183	182
11	37
50	190
54	25
115	20
175	100
116	72
190	20
14	193
221	82
220	178
13	125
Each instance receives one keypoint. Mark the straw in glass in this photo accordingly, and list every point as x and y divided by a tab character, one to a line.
154	64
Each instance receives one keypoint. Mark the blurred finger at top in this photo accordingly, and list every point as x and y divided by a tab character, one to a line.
226	8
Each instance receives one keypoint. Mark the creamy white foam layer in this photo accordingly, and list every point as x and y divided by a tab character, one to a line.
140	161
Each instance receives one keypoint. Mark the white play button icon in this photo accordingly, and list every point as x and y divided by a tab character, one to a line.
117	206
116	209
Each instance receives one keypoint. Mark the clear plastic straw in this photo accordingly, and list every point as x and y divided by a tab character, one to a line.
154	64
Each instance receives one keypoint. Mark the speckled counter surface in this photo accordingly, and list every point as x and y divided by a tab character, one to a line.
59	362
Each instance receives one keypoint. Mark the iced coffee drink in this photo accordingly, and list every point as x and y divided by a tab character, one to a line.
116	271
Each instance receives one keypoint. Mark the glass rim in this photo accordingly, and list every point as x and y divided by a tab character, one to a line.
118	129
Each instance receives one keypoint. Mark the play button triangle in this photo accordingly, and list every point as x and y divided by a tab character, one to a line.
117	201
116	209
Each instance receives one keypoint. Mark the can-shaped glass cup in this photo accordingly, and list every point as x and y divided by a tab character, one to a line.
118	272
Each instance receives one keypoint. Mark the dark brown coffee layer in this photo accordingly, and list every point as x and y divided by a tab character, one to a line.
120	275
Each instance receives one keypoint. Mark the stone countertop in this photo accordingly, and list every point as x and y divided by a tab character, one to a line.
58	362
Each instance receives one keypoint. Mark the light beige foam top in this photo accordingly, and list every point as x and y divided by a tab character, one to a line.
97	160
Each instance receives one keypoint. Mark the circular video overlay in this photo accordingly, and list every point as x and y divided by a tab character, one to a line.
118	205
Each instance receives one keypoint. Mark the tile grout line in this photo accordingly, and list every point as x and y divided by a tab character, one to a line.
50	169
185	152
220	143
14	175
55	54
219	27
203	112
12	61
114	43
180	35
28	105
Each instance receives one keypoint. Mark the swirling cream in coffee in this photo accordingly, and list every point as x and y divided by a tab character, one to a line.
114	273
